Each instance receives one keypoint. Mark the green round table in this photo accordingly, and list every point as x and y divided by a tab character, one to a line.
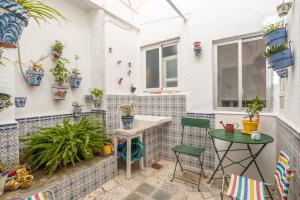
239	138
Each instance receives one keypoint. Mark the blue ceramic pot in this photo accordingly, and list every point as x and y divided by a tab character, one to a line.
127	121
75	81
276	37
34	78
13	19
281	59
20	102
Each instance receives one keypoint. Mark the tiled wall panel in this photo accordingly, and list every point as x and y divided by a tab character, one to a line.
9	143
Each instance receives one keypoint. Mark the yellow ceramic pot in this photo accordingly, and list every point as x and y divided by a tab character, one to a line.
107	149
249	126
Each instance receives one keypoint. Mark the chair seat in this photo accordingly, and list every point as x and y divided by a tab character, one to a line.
188	150
242	188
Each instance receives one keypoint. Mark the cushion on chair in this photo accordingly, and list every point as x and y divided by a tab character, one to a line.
283	175
242	188
188	150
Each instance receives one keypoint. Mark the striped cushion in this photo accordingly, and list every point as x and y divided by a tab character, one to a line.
38	196
283	174
242	188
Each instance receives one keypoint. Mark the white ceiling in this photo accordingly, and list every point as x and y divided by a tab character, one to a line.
134	4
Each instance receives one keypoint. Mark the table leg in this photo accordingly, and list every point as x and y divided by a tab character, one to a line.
128	159
220	160
115	145
141	162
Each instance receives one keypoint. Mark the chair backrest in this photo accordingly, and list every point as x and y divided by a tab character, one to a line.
192	122
283	174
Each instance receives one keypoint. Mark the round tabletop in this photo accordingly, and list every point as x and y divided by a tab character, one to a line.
239	137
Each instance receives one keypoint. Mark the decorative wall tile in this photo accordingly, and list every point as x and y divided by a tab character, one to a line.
9	143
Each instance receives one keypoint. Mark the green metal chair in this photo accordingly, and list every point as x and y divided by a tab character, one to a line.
191	150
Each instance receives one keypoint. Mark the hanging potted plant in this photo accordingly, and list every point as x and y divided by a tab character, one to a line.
20	102
75	78
35	72
275	34
279	56
253	108
97	97
127	118
56	50
61	76
284	8
5	101
77	109
283	73
14	16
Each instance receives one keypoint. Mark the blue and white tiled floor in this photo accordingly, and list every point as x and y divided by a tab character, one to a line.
152	184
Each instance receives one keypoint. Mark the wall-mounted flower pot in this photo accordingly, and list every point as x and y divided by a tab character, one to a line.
20	102
34	78
127	121
281	59
284	8
55	55
75	81
13	19
97	103
77	111
59	91
276	37
283	73
4	101
88	98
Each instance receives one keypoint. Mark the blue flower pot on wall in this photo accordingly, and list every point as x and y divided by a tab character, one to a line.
13	19
127	121
20	102
281	59
75	81
34	78
276	37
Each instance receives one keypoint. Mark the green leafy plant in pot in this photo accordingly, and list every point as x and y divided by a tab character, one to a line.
127	118
35	72
61	76
254	107
57	49
63	145
15	15
97	97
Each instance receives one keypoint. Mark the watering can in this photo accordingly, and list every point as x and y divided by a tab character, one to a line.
229	128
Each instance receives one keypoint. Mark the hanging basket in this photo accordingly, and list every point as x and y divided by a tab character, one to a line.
75	81
59	91
276	37
20	102
34	78
13	19
281	59
283	9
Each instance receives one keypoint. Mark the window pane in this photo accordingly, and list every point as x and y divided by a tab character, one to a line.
169	51
254	70
171	68
172	84
228	75
152	68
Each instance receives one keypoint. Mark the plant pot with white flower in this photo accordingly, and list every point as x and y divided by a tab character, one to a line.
97	97
75	78
127	117
61	76
35	72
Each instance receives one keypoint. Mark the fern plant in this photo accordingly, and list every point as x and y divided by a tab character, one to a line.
63	145
275	49
273	27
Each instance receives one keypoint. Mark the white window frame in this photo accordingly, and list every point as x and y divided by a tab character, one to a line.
269	87
162	72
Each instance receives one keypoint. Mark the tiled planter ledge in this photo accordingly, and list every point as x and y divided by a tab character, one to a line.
73	183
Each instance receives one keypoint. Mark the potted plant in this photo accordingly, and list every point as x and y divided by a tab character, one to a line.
127	118
107	147
56	50
97	97
75	78
35	72
275	34
253	108
5	101
77	109
284	8
283	73
14	17
279	56
61	76
20	102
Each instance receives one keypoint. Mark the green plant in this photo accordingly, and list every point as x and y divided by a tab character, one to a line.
275	49
58	46
96	93
254	107
39	11
107	140
76	72
273	27
36	65
60	72
127	109
62	145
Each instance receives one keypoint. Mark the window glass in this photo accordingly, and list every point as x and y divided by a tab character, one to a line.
227	61
152	68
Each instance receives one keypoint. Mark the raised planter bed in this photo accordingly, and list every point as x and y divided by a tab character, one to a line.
73	183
